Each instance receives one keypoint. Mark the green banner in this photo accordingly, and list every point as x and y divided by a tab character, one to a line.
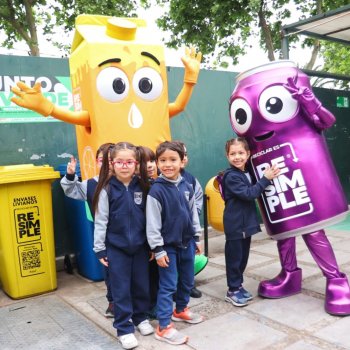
56	88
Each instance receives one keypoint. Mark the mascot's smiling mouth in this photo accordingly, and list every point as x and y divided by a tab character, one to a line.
264	136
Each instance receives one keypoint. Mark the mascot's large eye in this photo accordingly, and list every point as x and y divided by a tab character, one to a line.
240	115
147	84
112	84
277	105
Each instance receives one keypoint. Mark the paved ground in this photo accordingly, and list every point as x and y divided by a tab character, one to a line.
71	317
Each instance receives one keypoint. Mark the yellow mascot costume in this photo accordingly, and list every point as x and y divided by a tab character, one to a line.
119	86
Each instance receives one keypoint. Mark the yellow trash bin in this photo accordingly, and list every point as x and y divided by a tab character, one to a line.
27	250
215	205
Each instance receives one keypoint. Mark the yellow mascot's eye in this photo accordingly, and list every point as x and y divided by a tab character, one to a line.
147	84
112	84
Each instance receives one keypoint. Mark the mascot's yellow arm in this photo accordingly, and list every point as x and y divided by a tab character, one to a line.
191	61
77	118
181	101
33	99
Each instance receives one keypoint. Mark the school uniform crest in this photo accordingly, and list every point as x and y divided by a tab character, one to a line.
187	195
138	198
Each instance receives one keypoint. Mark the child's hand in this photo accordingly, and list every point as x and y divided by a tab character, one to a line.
104	261
151	256
71	166
272	172
163	261
198	248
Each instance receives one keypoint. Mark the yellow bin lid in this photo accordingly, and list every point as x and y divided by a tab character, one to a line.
27	172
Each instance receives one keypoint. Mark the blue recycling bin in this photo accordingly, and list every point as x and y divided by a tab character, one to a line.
81	229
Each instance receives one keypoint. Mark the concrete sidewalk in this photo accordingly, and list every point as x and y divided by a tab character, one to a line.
72	316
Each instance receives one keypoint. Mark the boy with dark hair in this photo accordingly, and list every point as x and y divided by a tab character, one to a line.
173	232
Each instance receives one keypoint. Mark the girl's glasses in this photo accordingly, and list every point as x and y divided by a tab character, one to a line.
127	163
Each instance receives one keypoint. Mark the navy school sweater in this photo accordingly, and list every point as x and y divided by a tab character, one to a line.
172	218
120	218
240	215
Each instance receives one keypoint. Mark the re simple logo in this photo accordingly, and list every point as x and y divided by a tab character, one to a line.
27	222
288	182
288	196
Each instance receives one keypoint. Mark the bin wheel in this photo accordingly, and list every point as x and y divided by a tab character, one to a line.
68	267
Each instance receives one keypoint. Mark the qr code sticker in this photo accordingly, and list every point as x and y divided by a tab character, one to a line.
31	259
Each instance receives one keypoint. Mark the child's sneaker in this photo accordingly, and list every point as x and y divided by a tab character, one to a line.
246	294
128	341
187	316
171	335
109	313
236	298
145	328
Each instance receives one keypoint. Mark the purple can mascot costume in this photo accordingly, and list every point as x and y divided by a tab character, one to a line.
274	108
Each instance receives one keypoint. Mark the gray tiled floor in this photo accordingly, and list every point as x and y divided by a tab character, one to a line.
47	322
72	316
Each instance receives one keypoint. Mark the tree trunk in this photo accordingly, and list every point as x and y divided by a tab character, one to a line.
314	54
266	33
34	49
30	36
33	41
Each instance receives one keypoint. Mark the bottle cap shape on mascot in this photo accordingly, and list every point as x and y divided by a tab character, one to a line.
307	195
118	75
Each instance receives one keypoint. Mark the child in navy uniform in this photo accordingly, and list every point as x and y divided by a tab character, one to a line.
150	158
173	232
152	173
240	216
120	239
198	195
84	191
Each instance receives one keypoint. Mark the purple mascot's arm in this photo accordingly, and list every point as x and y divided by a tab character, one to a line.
318	115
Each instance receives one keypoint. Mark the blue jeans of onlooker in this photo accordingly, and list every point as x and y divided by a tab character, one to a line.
177	278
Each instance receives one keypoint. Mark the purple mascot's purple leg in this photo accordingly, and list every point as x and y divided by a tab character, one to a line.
288	281
337	288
